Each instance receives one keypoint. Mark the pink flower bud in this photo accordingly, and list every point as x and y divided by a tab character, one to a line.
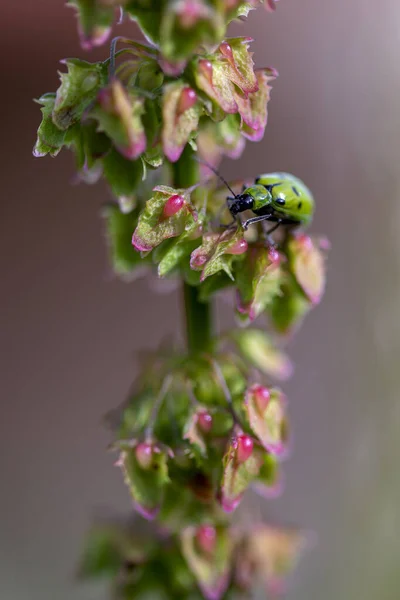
244	448
274	255
173	205
262	397
144	455
207	69
239	247
206	537
199	260
187	100
226	50
205	421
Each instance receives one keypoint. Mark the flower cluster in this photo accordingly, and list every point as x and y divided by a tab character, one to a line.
222	561
122	120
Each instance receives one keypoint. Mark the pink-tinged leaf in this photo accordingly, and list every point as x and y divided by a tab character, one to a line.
238	473
308	265
119	114
217	253
261	352
155	225
258	281
146	475
268	420
95	19
208	552
181	113
254	109
274	553
239	64
211	78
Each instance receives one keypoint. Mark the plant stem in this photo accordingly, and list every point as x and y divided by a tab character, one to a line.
199	322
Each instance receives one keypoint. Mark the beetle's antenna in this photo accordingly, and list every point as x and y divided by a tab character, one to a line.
214	170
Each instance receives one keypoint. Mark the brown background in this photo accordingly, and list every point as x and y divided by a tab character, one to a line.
70	331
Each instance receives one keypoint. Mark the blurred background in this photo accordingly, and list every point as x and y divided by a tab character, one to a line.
70	330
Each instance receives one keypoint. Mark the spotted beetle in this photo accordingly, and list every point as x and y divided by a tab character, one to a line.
278	197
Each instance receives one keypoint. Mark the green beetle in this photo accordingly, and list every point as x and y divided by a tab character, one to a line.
278	197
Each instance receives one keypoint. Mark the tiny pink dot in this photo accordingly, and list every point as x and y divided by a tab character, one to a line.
239	247
173	205
205	421
226	50
206	537
207	68
244	448
187	100
144	454
262	397
273	255
200	260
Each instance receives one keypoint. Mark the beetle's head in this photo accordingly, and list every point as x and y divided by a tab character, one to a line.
240	203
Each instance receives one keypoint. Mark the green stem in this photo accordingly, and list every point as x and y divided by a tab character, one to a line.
199	321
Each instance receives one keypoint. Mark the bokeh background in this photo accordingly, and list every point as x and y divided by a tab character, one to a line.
70	330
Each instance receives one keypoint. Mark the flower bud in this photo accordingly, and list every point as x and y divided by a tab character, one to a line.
244	448
239	247
206	537
144	455
173	205
205	421
187	100
262	397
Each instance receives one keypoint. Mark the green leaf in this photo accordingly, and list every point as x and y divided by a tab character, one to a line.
154	226
258	279
50	139
120	228
122	174
266	413
148	15
238	476
217	252
260	351
78	89
181	247
95	20
288	310
146	485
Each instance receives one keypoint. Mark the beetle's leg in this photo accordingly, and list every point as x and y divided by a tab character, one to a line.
269	231
255	220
